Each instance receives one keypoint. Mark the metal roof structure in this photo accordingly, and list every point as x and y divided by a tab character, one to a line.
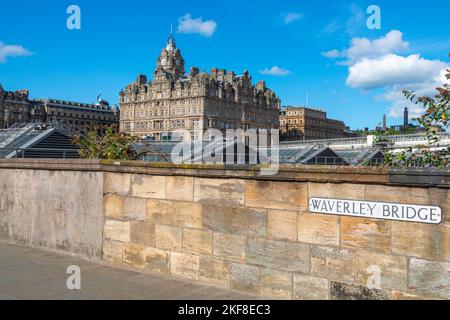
32	140
237	153
361	157
316	154
230	152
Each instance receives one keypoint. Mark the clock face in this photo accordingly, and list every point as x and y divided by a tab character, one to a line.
163	62
178	62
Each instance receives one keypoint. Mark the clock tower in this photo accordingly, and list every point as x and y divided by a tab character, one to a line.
170	63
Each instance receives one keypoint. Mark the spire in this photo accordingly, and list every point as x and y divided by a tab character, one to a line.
171	43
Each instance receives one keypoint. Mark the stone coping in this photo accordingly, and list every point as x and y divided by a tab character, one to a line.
429	177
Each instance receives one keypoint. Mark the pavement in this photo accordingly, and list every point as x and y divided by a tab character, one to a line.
36	274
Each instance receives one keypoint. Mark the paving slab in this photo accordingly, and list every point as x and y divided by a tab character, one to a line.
37	274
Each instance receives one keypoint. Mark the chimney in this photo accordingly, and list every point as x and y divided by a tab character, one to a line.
405	118
194	72
141	80
261	85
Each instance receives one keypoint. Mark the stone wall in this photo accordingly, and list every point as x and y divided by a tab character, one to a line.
56	209
232	227
257	235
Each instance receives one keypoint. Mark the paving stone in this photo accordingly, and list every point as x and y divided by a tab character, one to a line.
97	281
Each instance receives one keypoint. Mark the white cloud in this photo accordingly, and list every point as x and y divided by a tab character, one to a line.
364	48
292	17
12	51
361	48
275	71
398	102
189	25
393	69
332	54
375	64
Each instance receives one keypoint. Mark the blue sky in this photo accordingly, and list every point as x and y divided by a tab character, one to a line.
295	46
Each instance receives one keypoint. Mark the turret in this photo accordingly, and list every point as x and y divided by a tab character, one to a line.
170	60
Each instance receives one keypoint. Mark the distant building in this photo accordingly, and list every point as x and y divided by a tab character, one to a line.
406	125
195	101
302	123
16	107
405	118
80	115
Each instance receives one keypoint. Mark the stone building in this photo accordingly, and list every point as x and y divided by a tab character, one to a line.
194	101
80	115
16	107
302	123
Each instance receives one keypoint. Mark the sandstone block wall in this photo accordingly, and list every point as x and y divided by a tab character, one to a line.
232	228
257	236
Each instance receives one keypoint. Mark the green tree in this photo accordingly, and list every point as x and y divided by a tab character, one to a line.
437	110
111	145
436	114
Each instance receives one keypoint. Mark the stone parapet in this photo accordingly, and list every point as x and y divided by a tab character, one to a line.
232	227
236	229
